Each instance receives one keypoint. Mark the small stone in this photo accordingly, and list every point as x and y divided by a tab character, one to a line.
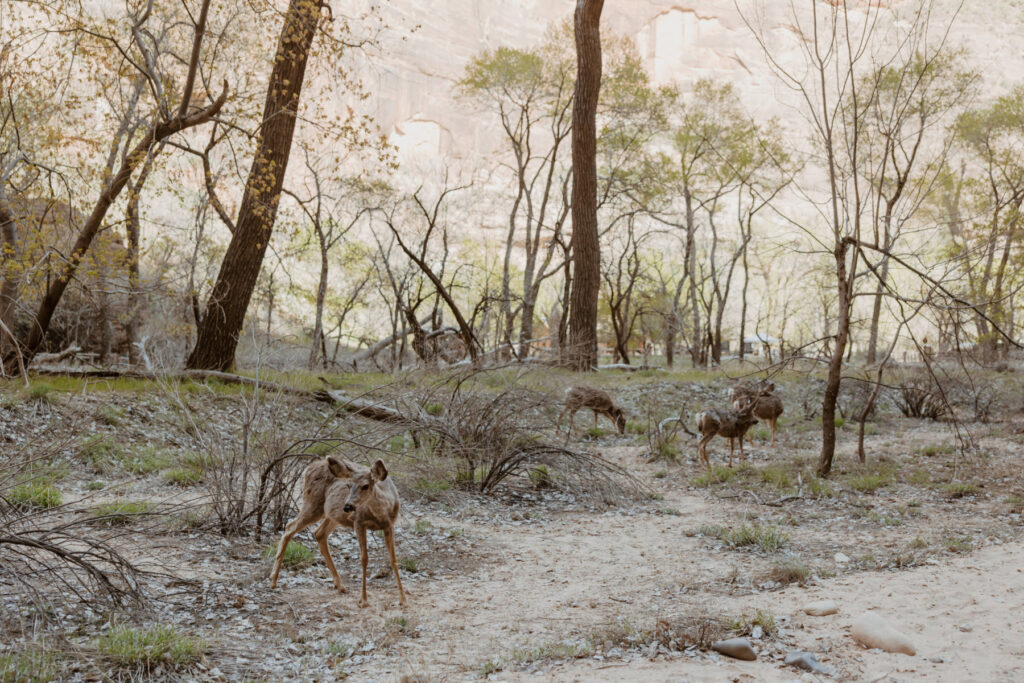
738	648
873	631
966	628
841	558
757	633
807	662
821	608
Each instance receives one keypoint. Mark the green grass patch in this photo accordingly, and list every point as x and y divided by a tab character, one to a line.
540	477
744	624
596	432
433	409
112	416
101	452
957	543
719	474
921	477
778	476
789	570
432	489
633	427
818	487
146	460
150	647
29	666
183	476
41	393
422	527
295	555
122	512
960	489
869	482
1016	502
883	519
408	564
760	433
35	495
95	486
934	449
768	539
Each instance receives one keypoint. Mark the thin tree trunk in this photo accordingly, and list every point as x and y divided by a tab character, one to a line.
318	326
586	249
225	311
9	289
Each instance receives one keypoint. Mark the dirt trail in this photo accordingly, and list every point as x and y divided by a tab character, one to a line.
572	575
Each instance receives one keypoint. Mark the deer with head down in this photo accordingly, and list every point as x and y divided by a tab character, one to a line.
768	406
731	424
577	398
338	493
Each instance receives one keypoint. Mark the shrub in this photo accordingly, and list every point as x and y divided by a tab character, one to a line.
295	555
146	460
422	526
818	487
766	538
869	482
776	476
633	427
151	647
183	476
95	486
743	625
110	415
408	564
121	512
35	495
431	489
41	393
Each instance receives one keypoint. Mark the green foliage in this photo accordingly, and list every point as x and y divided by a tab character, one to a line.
408	564
596	432
295	555
29	666
431	489
35	495
122	512
422	527
776	475
146	460
183	476
95	486
934	449
150	647
633	427
957	543
41	393
434	409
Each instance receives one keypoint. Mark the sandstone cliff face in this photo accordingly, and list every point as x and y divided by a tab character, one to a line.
413	79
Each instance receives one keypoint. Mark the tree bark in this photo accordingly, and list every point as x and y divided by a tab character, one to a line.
8	261
224	317
586	249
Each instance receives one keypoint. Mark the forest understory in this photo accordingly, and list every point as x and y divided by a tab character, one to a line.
538	578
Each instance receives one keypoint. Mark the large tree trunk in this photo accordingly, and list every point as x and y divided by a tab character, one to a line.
225	311
133	227
586	250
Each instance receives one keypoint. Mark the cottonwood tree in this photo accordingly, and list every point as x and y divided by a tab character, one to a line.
224	314
586	248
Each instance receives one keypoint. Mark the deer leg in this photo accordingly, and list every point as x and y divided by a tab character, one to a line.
306	517
572	423
702	451
772	425
731	447
321	534
595	419
743	456
364	560
558	422
389	539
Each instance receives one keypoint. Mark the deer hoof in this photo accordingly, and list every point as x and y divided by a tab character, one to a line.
342	589
364	603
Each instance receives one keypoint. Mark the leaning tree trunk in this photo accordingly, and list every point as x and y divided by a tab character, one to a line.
225	311
586	249
835	368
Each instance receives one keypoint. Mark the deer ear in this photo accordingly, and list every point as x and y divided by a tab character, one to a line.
340	468
770	387
379	471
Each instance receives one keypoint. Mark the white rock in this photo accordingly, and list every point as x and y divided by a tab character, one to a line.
872	630
821	608
841	558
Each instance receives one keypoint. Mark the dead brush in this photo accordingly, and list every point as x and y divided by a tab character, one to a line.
677	633
490	430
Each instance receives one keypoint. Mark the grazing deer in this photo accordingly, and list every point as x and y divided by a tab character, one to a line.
731	424
337	493
577	398
768	406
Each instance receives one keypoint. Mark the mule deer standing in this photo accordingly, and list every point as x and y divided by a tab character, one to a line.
768	406
335	492
731	424
577	398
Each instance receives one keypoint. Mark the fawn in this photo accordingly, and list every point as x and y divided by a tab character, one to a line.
598	401
731	424
768	406
337	493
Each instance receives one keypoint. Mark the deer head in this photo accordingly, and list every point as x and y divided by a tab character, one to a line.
363	485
